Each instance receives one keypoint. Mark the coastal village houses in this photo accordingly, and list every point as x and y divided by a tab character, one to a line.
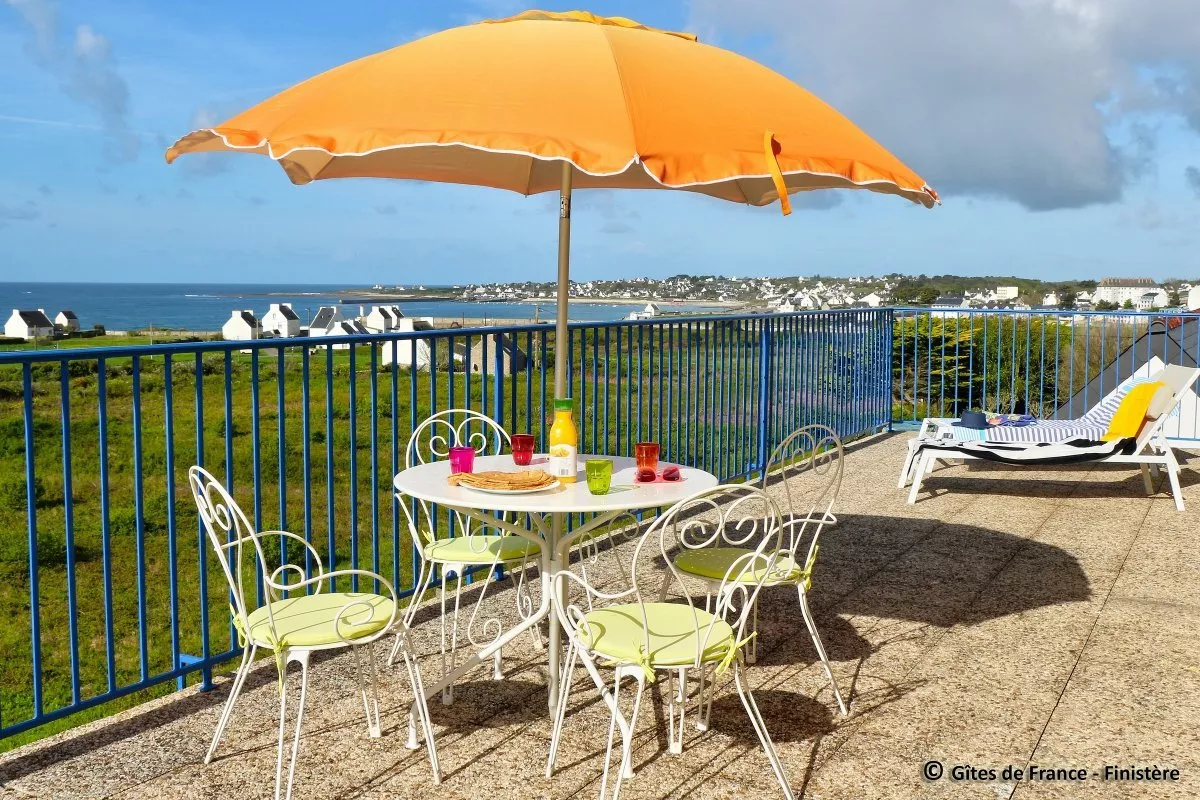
67	321
327	322
28	325
240	326
281	320
383	319
413	351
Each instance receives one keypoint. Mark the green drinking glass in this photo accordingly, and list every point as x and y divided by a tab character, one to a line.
599	475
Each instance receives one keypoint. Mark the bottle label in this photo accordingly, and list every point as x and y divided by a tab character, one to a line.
564	462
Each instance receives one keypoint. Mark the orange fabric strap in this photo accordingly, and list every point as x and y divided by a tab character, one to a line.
769	145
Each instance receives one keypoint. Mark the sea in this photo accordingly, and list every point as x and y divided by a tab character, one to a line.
205	306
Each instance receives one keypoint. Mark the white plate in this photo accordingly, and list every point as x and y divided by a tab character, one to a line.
547	487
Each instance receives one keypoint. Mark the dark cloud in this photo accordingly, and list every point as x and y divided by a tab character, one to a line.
1036	101
45	190
617	218
84	64
1192	176
387	209
255	200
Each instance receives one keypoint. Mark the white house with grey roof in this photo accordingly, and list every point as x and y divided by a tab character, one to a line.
281	320
28	324
67	321
380	319
326	322
240	326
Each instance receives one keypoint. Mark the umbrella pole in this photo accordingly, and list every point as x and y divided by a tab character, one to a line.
562	352
562	339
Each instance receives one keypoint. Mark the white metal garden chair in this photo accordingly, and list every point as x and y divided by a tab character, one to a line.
809	463
460	544
293	623
638	639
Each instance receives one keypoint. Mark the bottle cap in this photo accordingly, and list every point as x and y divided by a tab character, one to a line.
563	404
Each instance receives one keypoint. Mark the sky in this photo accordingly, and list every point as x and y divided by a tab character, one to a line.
1062	135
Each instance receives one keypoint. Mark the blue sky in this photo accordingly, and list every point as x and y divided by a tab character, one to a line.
1073	155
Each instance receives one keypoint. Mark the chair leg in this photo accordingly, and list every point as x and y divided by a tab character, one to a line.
419	712
560	712
923	464
239	680
816	640
302	659
424	579
448	658
1146	482
1172	468
676	709
908	463
666	587
369	693
760	728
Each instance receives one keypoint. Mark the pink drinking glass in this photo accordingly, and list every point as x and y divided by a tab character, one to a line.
522	449
462	459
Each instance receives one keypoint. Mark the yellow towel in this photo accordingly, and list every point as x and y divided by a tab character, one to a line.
1131	414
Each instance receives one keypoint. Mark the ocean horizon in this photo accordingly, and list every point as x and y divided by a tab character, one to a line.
206	306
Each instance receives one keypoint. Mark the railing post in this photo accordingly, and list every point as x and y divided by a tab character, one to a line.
765	344
498	379
889	380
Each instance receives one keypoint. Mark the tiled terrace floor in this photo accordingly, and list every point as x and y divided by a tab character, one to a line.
1007	618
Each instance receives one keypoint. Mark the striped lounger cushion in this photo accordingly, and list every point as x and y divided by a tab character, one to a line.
1091	426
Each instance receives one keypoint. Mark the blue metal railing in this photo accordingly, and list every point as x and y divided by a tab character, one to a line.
1046	363
110	589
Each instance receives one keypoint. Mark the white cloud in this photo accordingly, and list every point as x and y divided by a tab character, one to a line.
1029	100
86	69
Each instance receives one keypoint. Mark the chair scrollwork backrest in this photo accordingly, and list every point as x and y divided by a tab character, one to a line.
246	554
741	513
431	441
809	464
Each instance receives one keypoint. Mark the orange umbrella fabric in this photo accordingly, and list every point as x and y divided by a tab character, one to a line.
505	103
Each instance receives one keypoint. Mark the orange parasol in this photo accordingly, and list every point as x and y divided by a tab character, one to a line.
554	101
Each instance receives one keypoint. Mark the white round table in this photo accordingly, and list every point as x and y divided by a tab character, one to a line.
547	511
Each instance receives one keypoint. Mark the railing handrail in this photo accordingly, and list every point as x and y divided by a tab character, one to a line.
319	341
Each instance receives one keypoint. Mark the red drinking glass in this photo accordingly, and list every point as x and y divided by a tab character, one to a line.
522	449
646	454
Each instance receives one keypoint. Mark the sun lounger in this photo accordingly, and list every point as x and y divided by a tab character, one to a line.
1148	449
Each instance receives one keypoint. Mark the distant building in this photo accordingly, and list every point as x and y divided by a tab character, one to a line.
1118	290
512	357
66	321
281	320
1155	298
240	326
1007	292
326	321
1193	298
408	352
872	300
28	325
651	310
1051	299
380	320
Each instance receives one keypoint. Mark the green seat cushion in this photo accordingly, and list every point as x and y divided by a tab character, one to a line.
479	549
307	620
617	632
714	563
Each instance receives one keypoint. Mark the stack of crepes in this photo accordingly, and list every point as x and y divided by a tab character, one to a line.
527	480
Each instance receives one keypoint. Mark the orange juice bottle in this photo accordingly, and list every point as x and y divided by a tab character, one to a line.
564	442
